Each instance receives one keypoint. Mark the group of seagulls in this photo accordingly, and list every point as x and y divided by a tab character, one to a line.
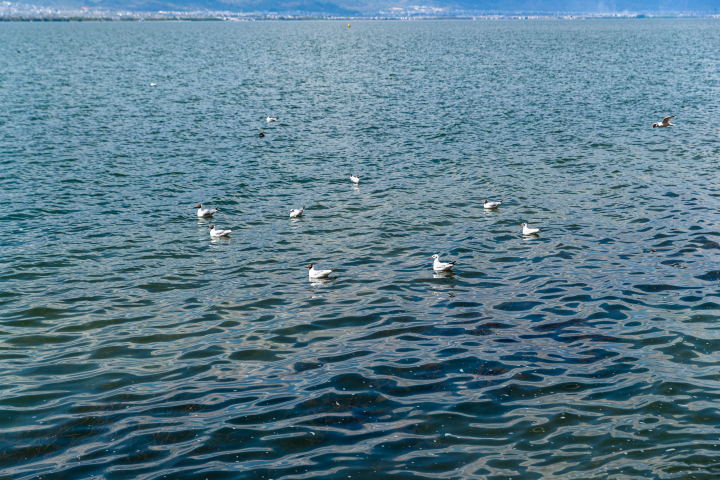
446	267
314	273
207	213
438	266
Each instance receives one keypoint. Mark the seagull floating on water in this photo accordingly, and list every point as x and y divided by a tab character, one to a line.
355	178
214	232
664	123
297	212
439	266
492	204
205	212
529	231
271	119
153	84
318	273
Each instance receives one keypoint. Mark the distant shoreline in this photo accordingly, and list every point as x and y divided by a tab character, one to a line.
163	17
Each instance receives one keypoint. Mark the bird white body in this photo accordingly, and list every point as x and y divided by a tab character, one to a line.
314	273
271	119
205	212
439	266
489	204
294	213
355	178
664	123
153	84
529	231
214	232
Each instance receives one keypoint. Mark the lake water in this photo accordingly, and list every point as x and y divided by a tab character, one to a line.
132	346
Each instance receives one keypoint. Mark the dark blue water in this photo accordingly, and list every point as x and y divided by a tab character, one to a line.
132	346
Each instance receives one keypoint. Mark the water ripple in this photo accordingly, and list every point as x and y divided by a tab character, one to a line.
133	346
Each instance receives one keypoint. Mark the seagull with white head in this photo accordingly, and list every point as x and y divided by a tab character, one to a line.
439	266
315	273
215	233
529	231
664	123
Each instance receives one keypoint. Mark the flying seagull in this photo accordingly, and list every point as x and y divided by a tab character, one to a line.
664	123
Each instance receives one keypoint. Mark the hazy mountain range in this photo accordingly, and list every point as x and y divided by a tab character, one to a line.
370	7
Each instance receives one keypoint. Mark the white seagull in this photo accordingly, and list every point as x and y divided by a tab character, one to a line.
355	178
529	231
439	266
318	273
153	84
271	119
294	213
492	204
664	123
205	212
214	232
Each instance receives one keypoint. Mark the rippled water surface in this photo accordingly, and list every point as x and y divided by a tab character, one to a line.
132	346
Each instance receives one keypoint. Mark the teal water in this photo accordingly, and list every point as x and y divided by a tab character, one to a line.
134	347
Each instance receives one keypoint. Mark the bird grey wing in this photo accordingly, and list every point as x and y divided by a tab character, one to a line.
667	119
